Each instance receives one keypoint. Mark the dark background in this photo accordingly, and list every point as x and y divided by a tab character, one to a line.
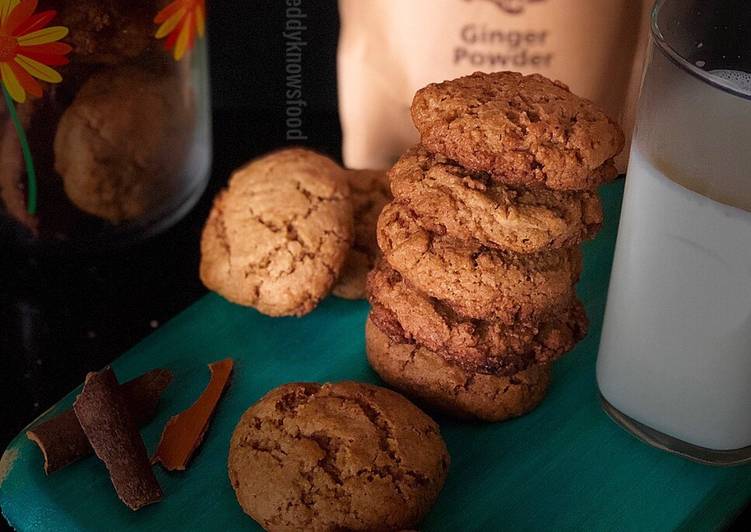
62	316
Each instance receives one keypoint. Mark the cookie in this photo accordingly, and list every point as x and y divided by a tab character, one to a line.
489	347
108	31
428	377
476	281
451	200
277	237
121	145
370	192
523	130
345	456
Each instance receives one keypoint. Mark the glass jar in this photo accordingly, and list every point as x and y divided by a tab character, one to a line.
105	118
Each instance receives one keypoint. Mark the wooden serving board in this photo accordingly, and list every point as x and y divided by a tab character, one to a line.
564	466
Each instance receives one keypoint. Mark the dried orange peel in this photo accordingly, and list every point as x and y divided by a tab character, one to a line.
183	433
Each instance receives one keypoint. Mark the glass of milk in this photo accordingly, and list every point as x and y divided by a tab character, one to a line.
674	365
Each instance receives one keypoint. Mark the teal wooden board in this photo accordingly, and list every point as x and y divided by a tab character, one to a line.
564	466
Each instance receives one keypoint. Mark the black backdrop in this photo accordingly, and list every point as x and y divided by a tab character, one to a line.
248	53
61	316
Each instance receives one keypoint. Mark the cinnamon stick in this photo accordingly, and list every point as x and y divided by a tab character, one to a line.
106	420
62	440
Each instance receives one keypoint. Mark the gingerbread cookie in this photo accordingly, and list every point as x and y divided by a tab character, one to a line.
490	347
370	192
427	376
468	206
344	456
523	130
276	239
121	144
478	282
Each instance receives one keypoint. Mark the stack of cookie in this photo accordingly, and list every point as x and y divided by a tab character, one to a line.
475	295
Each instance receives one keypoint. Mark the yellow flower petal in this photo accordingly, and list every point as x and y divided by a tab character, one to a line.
183	40
170	24
39	70
11	83
43	36
6	6
200	21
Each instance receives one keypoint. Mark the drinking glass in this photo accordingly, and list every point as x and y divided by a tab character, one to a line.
674	365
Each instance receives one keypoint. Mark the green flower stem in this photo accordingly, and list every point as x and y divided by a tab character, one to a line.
31	174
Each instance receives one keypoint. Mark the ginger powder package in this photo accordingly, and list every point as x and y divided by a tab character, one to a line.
388	49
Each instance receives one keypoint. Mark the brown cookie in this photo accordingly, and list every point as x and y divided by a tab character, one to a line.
276	239
489	347
523	130
121	145
451	200
426	376
370	192
478	282
344	456
109	31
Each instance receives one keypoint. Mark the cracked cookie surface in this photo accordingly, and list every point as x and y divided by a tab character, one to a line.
428	377
277	237
523	130
406	315
476	281
344	456
452	200
370	192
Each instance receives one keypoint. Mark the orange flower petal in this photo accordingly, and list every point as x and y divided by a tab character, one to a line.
170	24
51	48
201	19
27	82
168	11
38	70
44	58
169	43
186	38
22	11
6	6
12	85
43	36
35	22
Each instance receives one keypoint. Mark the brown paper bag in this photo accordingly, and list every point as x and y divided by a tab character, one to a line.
388	49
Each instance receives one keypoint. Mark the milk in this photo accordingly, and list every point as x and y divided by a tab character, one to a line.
675	352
